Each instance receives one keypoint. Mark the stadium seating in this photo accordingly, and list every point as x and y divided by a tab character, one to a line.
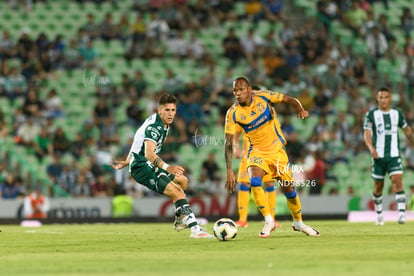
65	18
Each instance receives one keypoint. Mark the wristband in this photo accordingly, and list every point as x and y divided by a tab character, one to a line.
165	166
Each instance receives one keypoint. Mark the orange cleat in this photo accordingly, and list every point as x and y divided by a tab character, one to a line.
242	224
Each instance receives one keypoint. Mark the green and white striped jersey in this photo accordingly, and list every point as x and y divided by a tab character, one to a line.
152	129
384	128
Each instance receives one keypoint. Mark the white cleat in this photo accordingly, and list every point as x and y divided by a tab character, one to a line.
179	225
380	220
268	227
402	219
307	230
200	234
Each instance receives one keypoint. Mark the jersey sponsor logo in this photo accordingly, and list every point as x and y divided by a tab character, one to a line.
390	132
258	122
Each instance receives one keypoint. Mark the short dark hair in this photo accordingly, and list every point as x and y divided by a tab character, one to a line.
242	79
386	89
167	98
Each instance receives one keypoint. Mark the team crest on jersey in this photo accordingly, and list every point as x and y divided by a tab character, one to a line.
242	117
380	128
260	107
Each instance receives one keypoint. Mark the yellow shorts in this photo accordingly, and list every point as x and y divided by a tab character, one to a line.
276	164
243	175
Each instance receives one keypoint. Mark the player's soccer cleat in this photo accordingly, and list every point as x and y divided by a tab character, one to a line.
380	220
200	234
307	230
179	225
242	224
268	227
402	219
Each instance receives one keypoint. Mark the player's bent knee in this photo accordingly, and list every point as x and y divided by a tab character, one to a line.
182	181
173	191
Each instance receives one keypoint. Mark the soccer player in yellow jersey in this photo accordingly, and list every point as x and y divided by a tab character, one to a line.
253	113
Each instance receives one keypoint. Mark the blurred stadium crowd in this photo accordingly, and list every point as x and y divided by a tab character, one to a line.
78	77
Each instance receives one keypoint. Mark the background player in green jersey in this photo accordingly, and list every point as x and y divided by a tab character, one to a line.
381	137
147	168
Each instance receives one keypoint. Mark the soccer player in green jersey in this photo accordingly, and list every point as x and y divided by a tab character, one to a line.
148	169
381	137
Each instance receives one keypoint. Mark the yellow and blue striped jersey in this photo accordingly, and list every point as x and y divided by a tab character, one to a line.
258	121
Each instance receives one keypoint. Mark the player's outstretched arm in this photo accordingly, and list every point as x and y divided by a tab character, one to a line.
228	155
158	162
302	113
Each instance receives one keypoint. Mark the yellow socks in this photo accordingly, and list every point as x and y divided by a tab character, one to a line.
259	196
293	203
271	199
243	198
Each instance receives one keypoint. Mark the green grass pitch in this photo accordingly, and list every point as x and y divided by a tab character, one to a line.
156	249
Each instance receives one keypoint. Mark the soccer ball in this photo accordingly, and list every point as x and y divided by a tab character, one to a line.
225	229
